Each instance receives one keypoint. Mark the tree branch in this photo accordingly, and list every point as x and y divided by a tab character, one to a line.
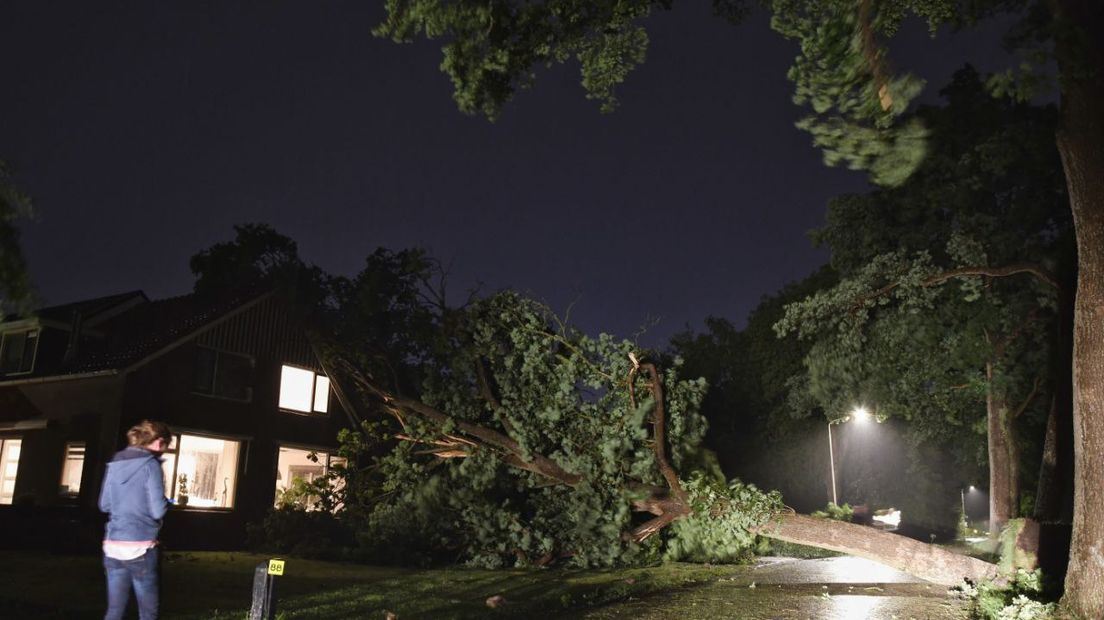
871	56
1037	271
515	455
659	446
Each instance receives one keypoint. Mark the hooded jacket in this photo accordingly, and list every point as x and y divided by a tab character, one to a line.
133	495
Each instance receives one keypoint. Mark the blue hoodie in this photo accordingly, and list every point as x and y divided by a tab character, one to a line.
133	495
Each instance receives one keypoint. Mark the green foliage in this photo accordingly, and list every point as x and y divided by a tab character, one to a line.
719	530
507	365
15	284
1020	599
836	513
856	103
842	72
492	48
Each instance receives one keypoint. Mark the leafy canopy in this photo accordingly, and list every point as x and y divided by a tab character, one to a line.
842	73
530	442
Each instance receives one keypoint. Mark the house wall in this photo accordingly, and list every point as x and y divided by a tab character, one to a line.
99	410
163	389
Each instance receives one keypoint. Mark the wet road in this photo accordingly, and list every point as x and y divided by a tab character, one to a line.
843	588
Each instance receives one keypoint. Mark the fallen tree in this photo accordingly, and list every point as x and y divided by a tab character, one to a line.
534	444
930	562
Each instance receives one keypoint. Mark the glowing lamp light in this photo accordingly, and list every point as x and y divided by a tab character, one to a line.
860	414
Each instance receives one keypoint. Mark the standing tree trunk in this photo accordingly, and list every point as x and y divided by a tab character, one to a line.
1080	136
1054	496
1003	466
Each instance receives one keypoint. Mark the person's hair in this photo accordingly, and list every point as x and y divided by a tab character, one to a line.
148	431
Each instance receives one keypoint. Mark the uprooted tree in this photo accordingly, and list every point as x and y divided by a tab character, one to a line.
531	443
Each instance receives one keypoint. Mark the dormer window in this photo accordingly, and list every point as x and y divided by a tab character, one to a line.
17	352
304	390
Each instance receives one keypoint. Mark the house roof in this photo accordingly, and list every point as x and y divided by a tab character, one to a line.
89	309
149	327
129	328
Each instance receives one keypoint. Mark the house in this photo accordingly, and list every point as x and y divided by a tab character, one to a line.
237	380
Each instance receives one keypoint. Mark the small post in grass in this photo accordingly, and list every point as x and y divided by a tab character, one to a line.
264	589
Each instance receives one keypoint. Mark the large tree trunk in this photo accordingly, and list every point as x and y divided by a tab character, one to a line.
1080	51
905	554
1003	464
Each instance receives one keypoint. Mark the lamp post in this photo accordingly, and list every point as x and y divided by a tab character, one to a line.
832	460
860	414
962	494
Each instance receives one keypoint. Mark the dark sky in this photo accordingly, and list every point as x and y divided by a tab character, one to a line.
144	130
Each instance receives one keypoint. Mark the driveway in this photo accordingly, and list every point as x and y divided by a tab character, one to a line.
843	588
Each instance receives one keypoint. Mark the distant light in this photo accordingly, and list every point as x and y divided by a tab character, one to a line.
972	488
891	518
860	414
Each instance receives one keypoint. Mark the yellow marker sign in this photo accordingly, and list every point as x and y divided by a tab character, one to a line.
276	567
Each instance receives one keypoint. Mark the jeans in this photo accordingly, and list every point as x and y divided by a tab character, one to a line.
139	573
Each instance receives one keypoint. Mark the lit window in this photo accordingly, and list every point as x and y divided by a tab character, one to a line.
17	352
201	472
73	468
295	469
224	374
9	467
303	390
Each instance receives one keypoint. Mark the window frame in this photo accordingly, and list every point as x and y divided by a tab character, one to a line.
218	353
37	331
65	460
313	395
4	441
330	453
170	490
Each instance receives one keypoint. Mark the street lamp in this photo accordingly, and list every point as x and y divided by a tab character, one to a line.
859	414
962	493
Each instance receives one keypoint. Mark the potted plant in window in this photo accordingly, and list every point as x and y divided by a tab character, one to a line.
182	490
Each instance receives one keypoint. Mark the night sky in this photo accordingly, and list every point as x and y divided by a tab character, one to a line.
144	130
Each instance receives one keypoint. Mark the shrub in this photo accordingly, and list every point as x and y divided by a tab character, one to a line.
1019	600
295	531
836	513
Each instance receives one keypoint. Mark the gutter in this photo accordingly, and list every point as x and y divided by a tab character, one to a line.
51	379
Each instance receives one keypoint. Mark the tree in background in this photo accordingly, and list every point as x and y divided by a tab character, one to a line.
15	283
842	73
752	426
259	258
947	311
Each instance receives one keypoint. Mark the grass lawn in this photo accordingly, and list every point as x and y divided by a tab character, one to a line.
218	584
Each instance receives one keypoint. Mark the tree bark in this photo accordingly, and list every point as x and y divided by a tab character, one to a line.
1079	48
905	554
1052	497
1003	465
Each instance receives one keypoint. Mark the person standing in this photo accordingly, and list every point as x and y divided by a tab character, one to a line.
133	496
